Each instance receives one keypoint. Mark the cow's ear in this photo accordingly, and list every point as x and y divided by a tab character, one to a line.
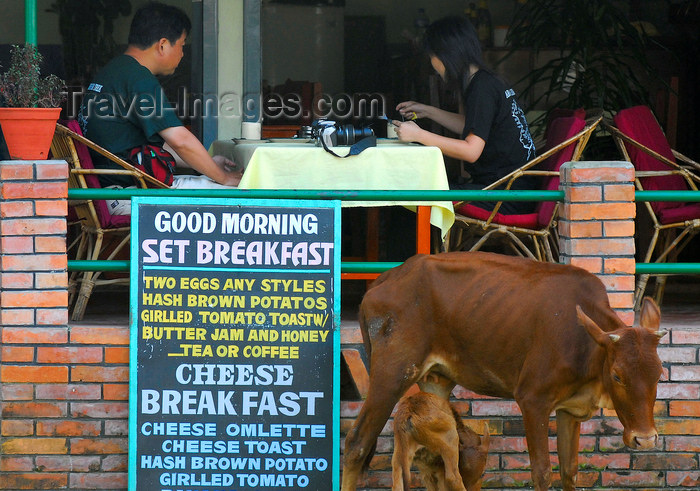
600	336
650	316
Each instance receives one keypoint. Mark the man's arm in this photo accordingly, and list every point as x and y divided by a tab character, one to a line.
193	153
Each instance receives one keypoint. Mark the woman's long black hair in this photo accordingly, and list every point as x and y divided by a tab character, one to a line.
453	40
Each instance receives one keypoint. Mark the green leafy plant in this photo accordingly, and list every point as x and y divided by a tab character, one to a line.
22	84
596	57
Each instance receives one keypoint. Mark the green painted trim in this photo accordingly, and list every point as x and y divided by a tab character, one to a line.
686	196
30	29
378	267
346	195
367	195
667	268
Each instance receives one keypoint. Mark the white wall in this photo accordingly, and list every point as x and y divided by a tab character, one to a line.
230	76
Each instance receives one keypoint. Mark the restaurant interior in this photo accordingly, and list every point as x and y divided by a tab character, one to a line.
354	48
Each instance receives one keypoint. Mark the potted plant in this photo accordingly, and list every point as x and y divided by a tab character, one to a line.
594	55
30	104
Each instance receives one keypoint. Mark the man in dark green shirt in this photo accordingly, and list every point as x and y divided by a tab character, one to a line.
125	106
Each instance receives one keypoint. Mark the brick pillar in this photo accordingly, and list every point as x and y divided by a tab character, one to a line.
33	314
596	227
33	275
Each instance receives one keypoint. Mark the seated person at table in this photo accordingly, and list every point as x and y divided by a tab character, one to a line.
494	135
125	107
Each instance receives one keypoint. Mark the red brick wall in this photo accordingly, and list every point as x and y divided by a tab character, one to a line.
604	461
64	390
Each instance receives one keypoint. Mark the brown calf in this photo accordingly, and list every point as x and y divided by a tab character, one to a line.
542	334
429	432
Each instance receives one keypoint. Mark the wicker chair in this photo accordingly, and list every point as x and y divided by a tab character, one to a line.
642	142
101	235
533	234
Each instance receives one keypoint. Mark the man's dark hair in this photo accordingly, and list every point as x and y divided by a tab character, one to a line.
155	21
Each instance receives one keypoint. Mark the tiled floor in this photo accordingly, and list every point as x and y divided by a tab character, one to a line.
681	304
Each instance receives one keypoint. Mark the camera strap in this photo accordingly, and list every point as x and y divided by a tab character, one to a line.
356	149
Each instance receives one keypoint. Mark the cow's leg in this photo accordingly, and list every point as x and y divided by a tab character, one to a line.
536	420
387	383
404	450
568	431
448	449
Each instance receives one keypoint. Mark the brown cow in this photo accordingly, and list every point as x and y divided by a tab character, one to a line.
540	333
448	454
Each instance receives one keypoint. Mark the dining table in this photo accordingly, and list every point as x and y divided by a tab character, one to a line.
296	163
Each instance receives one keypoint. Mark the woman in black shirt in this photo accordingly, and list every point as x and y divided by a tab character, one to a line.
494	135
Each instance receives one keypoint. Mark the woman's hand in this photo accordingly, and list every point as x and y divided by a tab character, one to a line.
408	131
411	110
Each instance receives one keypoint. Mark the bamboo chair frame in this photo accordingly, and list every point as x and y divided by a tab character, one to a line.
670	239
94	238
544	241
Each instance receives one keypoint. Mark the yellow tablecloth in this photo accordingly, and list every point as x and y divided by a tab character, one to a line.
388	166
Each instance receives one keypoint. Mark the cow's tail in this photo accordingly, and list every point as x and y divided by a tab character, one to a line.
364	329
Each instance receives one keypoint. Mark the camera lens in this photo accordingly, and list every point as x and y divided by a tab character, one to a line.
346	135
349	135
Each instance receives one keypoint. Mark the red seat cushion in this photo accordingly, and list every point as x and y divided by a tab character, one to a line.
527	220
640	124
106	219
689	211
561	129
559	112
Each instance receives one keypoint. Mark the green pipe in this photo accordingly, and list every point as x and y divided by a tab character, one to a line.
378	267
362	267
30	22
372	195
365	195
345	195
98	265
667	268
123	265
687	196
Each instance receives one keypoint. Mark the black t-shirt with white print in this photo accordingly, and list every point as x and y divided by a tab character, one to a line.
492	113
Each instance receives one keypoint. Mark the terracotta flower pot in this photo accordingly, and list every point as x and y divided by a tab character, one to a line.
28	131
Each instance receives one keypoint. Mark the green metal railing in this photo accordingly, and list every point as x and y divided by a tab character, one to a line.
30	29
370	195
344	195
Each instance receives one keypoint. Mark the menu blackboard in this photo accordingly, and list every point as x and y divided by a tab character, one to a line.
235	317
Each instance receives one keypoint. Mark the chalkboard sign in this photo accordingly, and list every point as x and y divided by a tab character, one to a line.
235	317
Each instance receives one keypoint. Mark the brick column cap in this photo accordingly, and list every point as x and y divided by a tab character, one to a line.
597	172
597	164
